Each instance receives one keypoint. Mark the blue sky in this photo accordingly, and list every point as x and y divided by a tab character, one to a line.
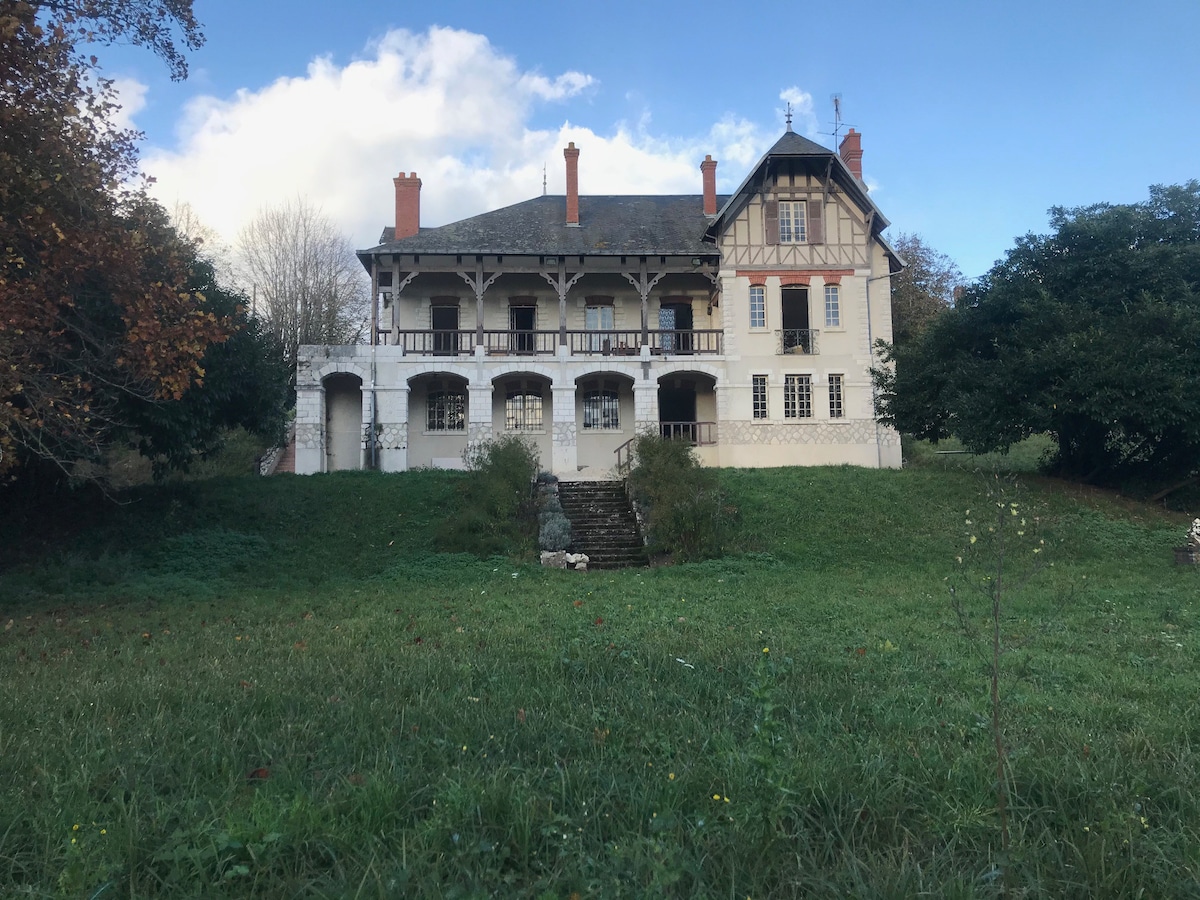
976	117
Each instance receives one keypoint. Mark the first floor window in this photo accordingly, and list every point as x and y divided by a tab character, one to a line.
523	407
759	392
833	307
447	408
836	398
758	306
792	224
598	317
601	407
797	397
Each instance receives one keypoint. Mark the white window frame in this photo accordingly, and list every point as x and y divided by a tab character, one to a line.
833	306
797	397
837	397
758	306
759	398
793	222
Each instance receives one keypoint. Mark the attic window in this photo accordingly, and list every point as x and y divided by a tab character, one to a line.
792	222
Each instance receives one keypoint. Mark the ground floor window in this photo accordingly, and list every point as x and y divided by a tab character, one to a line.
447	408
759	391
601	406
797	397
836	405
523	407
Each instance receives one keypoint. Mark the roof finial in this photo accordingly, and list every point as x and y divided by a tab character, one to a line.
543	179
788	117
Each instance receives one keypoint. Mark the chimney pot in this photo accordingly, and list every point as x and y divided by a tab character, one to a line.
851	153
571	154
709	170
408	205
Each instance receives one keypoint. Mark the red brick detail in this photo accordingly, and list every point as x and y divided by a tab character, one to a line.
709	170
408	205
571	154
789	280
788	276
851	152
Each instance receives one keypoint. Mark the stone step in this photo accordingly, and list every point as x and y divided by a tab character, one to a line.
602	524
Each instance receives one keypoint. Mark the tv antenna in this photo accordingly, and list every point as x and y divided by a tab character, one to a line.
837	117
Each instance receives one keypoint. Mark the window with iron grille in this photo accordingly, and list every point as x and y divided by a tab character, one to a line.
523	407
836	408
833	307
792	224
447	408
601	409
758	306
759	392
797	397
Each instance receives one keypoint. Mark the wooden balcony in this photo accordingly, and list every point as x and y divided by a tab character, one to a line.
463	341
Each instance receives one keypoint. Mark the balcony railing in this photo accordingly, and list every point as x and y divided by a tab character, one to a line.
798	340
462	342
698	434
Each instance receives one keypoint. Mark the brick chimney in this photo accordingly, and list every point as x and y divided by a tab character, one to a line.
408	205
571	154
709	168
851	153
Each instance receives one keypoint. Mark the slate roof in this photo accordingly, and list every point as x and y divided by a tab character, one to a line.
634	225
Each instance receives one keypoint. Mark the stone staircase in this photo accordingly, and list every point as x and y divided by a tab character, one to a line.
602	523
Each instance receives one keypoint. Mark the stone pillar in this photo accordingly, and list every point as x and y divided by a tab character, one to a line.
310	430
479	413
565	452
393	428
645	405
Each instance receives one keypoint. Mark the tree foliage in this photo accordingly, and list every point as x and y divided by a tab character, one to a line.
1090	334
923	289
159	25
307	284
96	312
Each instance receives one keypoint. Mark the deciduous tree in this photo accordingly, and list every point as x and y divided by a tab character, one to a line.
1090	334
96	311
923	289
307	284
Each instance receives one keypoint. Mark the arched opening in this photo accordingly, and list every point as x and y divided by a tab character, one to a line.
522	405
343	422
437	421
687	407
604	419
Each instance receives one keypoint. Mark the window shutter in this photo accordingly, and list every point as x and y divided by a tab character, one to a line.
816	221
771	220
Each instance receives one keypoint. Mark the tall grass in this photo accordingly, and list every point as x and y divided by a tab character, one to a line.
278	687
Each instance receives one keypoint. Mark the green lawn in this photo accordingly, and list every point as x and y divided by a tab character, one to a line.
277	687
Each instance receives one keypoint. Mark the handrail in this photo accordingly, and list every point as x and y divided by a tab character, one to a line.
626	463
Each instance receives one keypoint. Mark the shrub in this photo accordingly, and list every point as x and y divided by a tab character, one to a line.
495	501
687	512
555	531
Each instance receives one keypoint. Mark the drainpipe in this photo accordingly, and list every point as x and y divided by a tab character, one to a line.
374	410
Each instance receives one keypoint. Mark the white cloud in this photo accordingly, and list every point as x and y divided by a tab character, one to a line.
444	103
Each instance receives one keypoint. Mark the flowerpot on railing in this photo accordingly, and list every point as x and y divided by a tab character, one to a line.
1188	555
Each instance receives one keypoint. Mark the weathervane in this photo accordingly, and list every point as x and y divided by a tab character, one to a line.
788	116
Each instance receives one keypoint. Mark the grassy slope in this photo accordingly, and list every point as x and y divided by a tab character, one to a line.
442	725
